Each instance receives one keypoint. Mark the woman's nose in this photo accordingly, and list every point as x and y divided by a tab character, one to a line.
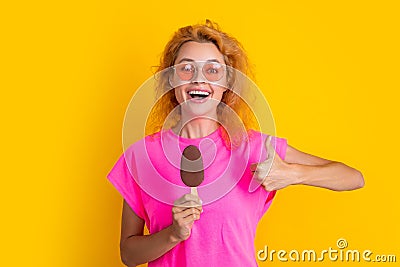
199	77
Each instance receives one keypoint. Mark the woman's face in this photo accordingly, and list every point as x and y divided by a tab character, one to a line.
201	96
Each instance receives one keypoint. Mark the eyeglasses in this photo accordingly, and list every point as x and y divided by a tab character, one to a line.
188	71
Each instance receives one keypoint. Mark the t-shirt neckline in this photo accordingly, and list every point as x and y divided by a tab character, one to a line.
215	136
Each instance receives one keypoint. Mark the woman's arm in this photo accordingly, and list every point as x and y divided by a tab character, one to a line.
315	171
137	248
306	169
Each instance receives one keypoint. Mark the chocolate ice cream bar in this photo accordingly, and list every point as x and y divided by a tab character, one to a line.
192	169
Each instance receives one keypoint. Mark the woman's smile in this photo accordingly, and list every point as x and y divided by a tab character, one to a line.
198	94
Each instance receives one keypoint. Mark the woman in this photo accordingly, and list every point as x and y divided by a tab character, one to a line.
199	230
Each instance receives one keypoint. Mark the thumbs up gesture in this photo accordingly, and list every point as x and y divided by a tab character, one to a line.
273	173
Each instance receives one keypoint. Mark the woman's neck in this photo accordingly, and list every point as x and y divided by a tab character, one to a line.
196	128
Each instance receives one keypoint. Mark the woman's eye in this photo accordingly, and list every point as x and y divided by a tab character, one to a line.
213	70
187	68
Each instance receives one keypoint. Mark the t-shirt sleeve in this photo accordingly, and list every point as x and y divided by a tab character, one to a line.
268	196
281	146
120	176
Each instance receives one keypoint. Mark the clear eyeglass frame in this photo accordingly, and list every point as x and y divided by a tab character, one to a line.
188	72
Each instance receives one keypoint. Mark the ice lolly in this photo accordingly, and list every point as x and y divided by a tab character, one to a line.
192	168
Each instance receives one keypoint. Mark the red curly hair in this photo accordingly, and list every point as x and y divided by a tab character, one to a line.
234	56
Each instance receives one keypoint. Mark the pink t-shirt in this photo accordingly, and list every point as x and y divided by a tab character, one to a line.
148	178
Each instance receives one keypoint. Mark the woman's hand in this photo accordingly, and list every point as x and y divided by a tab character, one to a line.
186	210
273	173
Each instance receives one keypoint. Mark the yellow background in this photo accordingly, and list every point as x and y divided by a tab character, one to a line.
329	70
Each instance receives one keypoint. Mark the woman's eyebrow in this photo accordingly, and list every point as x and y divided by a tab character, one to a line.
192	60
185	59
213	60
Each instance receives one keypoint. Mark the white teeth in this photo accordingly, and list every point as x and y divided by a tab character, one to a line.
199	93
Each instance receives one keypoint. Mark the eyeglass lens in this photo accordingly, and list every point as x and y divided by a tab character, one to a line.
212	71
